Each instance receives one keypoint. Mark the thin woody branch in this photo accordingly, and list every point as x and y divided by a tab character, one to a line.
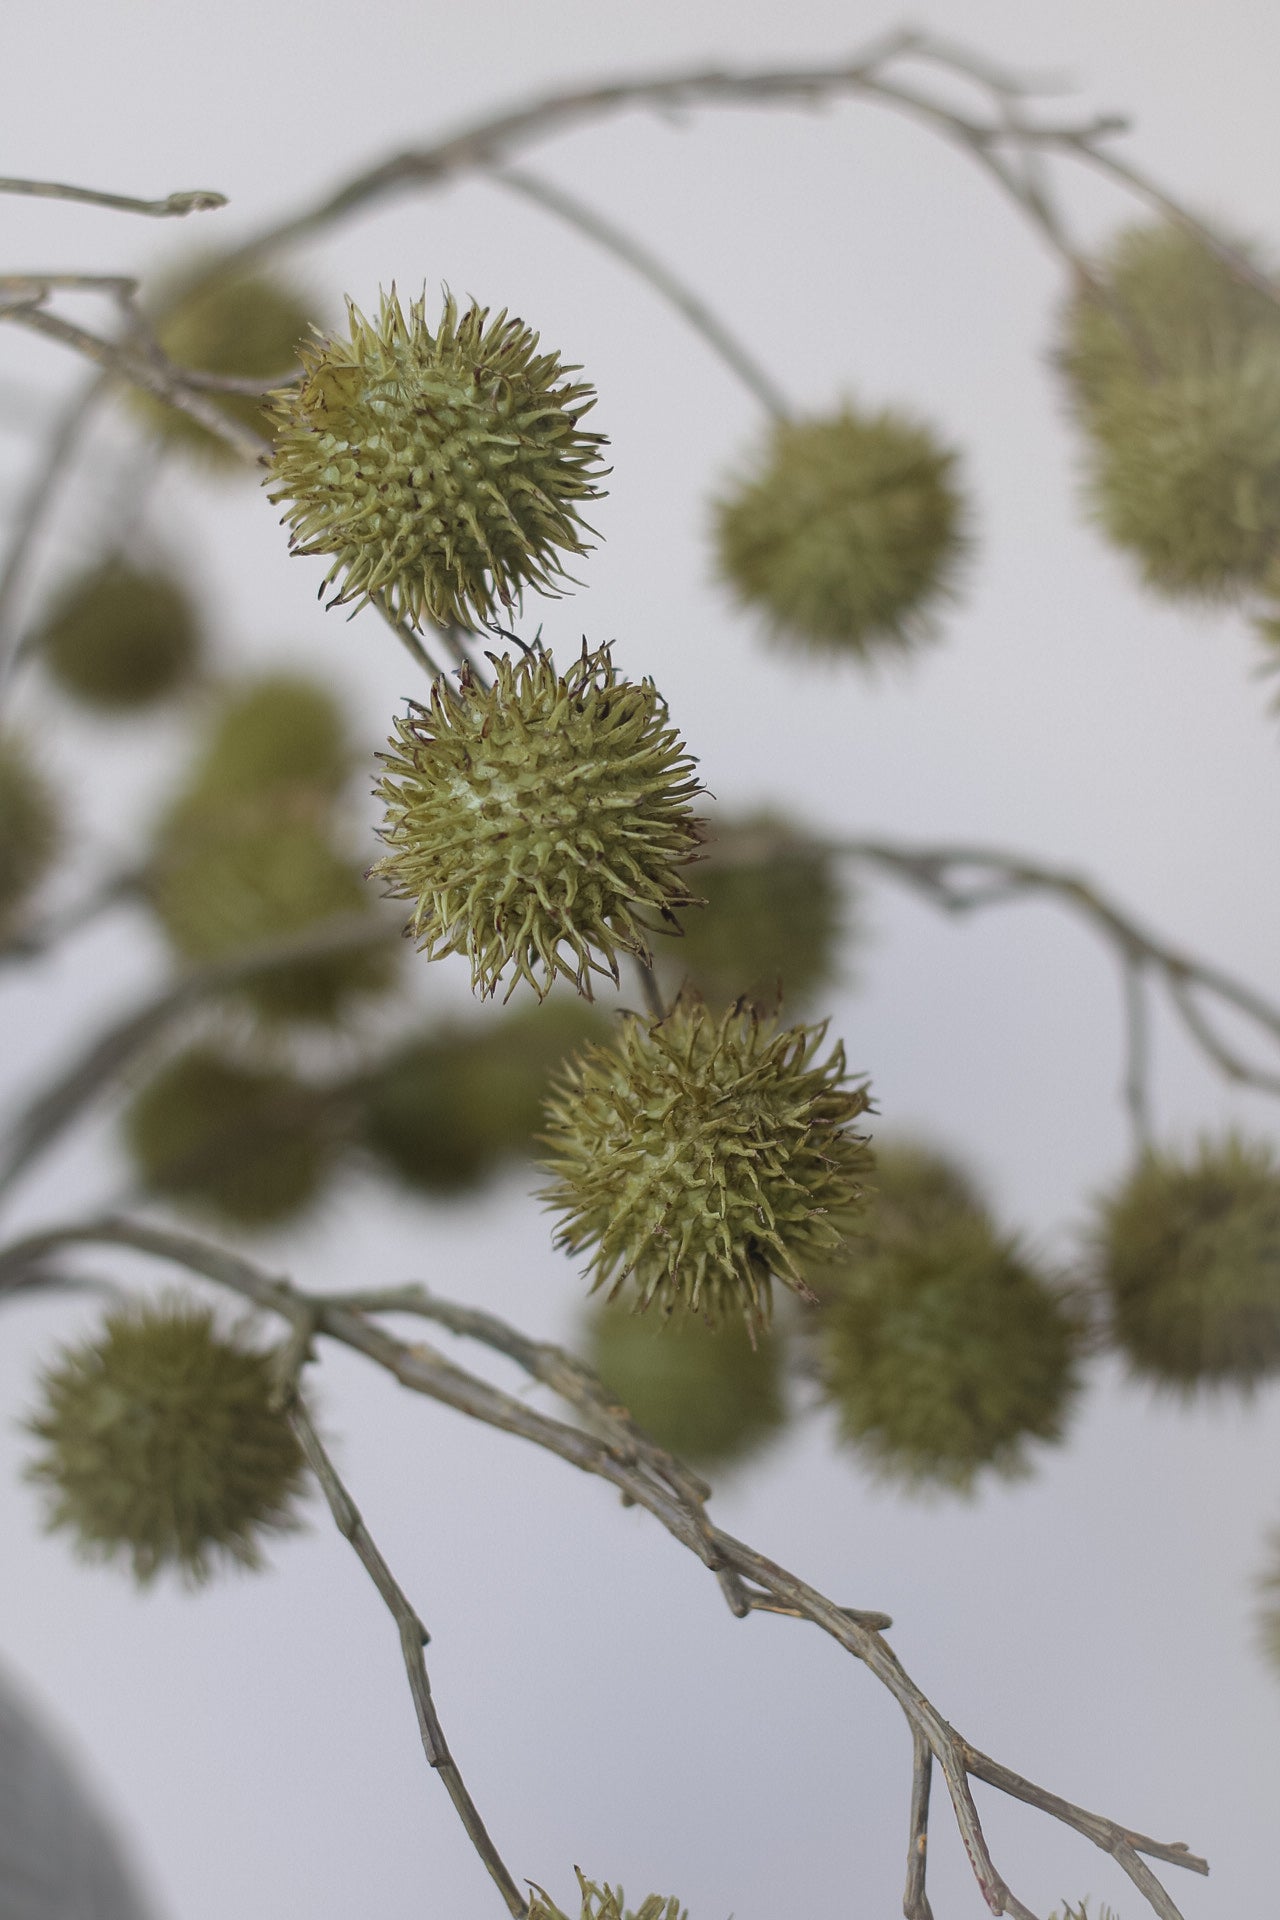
173	205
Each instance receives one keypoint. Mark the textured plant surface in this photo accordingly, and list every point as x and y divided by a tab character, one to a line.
162	1443
606	1903
847	533
443	471
1172	361
942	1351
774	923
539	824
120	637
1187	1252
29	828
250	1147
710	1395
699	1158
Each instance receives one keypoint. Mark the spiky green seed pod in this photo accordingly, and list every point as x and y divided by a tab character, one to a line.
540	823
120	637
163	1444
228	877
1172	362
245	1146
941	1349
699	1158
773	922
1187	1253
443	471
283	731
606	1903
442	1113
247	324
846	533
710	1396
30	832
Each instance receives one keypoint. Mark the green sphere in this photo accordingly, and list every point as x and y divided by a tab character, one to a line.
942	1351
163	1445
30	832
1187	1253
247	1147
846	533
708	1396
280	732
120	637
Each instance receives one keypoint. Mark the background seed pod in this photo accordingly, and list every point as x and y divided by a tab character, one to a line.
1172	366
30	833
244	1146
1269	1611
775	918
1187	1255
120	637
941	1349
847	533
247	324
707	1395
274	735
606	1903
162	1444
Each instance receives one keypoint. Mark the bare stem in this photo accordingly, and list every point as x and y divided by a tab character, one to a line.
173	205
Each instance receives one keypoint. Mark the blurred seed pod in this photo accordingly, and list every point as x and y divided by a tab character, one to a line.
941	1349
606	1903
707	1395
245	1146
1269	1612
275	733
30	832
163	1444
1172	365
120	637
250	325
774	918
443	1112
846	532
1187	1255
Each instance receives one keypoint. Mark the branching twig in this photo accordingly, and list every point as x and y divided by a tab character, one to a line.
173	204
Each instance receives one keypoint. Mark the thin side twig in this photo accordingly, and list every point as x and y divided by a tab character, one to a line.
173	206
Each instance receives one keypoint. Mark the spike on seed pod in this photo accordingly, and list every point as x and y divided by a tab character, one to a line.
712	1397
605	1903
30	833
163	1444
699	1158
120	637
442	471
847	533
1187	1253
539	824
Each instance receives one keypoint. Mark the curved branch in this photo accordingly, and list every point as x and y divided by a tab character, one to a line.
197	200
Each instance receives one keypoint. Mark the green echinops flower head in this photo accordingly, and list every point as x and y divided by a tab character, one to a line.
539	823
163	1443
711	1396
30	833
942	1350
606	1903
120	637
700	1157
1187	1252
847	533
443	470
246	1146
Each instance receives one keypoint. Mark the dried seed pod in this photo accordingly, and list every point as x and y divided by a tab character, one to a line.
710	1396
163	1443
606	1903
279	732
30	833
119	637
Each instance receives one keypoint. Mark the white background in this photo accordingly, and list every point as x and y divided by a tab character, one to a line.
1091	1627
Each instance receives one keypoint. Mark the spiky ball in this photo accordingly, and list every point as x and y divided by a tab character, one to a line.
443	471
699	1158
846	532
163	1445
120	637
606	1903
250	325
773	922
1187	1252
1172	362
246	1146
710	1396
30	833
942	1350
540	823
282	732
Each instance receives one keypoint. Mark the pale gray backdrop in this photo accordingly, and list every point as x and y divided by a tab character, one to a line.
1093	1626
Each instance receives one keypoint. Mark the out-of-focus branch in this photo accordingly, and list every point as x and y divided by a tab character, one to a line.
614	1449
174	205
